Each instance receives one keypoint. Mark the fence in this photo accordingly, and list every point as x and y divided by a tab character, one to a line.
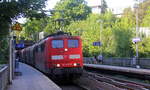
144	62
3	78
125	62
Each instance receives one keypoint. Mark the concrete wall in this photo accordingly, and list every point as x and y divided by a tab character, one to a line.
3	78
125	62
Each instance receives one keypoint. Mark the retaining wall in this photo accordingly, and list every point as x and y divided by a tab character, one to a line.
125	62
3	78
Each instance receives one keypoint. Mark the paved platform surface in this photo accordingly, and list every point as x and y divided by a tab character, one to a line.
120	69
31	79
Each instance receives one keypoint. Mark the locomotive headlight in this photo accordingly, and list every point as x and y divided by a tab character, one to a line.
57	57
75	64
75	56
58	65
66	49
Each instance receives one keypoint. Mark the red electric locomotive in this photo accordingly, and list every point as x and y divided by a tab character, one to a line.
59	54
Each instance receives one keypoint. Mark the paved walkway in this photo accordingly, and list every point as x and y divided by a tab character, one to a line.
31	79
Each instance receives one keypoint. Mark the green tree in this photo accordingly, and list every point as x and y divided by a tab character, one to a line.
123	34
142	10
128	12
144	49
4	50
32	28
51	27
107	39
116	34
13	10
146	19
91	30
66	12
71	10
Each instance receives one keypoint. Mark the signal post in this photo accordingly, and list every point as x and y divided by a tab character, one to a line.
16	27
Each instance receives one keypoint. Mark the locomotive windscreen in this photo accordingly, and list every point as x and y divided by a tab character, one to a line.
57	43
73	43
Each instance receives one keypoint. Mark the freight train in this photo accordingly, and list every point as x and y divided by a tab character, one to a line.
58	55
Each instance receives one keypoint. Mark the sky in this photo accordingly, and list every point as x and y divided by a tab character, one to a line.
115	4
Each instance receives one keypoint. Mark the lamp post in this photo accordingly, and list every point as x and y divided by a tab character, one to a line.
136	6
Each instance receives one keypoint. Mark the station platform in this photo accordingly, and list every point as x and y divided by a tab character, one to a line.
31	79
119	69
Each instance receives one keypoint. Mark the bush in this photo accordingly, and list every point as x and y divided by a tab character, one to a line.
4	51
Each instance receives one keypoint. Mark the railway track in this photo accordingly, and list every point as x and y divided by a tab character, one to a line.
127	81
95	81
70	86
66	84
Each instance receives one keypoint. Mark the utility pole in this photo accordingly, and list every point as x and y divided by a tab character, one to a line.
11	55
136	6
10	58
137	28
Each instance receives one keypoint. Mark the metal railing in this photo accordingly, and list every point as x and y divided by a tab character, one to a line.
4	77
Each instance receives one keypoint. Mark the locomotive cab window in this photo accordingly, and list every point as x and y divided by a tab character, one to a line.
73	43
57	43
